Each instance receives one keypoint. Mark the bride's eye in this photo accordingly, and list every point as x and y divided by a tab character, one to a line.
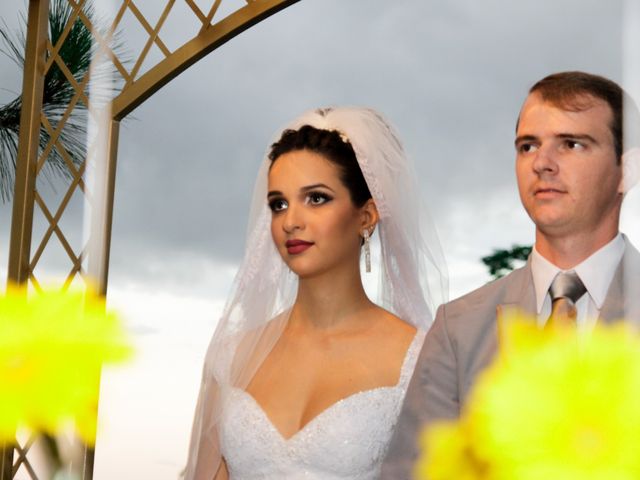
317	198
277	205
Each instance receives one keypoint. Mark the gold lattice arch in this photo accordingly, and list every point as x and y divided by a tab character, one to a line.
91	259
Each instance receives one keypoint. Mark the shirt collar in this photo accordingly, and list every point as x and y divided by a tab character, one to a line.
543	272
596	272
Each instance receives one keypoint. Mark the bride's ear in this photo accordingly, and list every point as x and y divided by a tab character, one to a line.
369	215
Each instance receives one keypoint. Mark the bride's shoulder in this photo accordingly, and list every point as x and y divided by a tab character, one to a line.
393	342
394	328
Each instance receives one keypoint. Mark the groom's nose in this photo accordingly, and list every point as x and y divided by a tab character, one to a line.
545	160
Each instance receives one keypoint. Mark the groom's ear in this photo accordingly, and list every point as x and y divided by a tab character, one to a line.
630	170
369	214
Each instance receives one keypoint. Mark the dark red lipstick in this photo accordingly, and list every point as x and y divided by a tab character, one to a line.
297	246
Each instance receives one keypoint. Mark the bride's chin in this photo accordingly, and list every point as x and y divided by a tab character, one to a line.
303	270
303	273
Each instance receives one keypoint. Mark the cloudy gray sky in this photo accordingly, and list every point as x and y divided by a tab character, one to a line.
450	74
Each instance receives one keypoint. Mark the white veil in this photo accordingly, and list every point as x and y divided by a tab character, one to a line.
413	279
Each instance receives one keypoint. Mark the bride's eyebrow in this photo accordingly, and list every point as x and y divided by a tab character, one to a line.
316	185
306	188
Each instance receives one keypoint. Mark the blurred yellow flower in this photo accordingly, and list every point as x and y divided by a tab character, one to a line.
52	347
450	454
552	405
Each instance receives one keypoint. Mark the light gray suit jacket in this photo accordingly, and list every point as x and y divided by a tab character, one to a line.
463	341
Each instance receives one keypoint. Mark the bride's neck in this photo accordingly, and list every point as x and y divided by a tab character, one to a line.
329	302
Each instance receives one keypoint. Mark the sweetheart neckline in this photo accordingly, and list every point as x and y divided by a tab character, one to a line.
324	412
419	334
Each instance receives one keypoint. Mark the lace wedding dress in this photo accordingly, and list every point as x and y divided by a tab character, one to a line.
348	440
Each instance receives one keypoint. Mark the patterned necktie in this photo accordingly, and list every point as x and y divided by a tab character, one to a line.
566	289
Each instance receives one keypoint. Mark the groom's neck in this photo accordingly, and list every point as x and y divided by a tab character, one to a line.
567	251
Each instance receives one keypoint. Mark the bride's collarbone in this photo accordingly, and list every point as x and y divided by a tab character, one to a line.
298	381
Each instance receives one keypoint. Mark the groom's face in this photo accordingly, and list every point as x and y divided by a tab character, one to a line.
568	176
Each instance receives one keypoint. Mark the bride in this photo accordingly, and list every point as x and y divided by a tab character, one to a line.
305	375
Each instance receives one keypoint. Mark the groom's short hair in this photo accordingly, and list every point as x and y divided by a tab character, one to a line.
567	90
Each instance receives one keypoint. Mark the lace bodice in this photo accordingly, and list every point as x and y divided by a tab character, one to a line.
348	440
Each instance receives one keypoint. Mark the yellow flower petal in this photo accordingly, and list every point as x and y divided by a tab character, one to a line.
552	405
52	348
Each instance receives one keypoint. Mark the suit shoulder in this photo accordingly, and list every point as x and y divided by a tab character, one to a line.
485	297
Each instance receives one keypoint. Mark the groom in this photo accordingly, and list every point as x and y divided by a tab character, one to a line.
572	177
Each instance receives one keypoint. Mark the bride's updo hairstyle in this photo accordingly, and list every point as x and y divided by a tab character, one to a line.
410	263
329	144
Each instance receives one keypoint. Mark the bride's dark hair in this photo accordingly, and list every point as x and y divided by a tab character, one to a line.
329	144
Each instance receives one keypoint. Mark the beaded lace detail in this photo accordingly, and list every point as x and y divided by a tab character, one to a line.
348	440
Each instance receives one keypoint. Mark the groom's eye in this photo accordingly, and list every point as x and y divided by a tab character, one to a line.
574	145
526	147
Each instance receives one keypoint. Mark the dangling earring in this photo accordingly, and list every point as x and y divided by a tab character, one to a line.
367	250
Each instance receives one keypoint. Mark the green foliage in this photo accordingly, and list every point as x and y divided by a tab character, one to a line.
76	52
501	262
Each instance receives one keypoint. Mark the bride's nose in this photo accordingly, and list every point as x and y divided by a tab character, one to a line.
293	219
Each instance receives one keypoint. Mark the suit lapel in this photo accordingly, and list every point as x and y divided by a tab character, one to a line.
623	297
521	294
613	306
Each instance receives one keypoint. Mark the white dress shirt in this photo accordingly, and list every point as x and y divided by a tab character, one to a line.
595	272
